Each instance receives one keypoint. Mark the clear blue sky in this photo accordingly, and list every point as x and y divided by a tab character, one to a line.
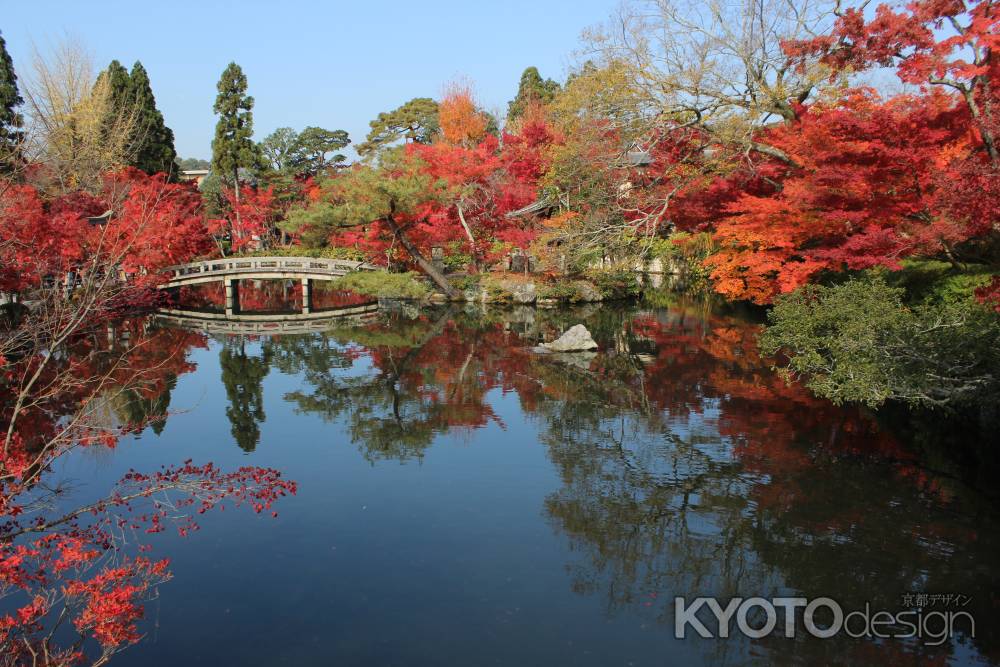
330	64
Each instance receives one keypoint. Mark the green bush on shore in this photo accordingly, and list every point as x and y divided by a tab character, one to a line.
936	282
861	341
616	284
382	284
559	291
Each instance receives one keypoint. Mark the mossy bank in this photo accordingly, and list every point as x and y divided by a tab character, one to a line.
498	288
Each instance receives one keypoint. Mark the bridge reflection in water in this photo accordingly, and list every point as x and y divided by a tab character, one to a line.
278	323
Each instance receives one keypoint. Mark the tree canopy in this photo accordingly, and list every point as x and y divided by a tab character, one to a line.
531	89
120	90
11	122
278	147
189	163
305	153
311	154
151	144
416	121
155	151
859	341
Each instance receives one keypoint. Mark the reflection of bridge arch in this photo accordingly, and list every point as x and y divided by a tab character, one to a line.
260	323
232	270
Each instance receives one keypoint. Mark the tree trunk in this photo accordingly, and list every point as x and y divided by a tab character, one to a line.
422	262
468	233
774	152
989	141
236	184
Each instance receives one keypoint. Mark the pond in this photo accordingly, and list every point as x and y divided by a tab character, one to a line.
464	500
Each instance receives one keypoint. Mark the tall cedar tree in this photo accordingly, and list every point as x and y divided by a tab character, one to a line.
120	84
152	146
120	103
11	121
233	148
154	152
532	88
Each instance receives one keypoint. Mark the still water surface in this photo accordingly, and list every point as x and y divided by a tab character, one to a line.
463	500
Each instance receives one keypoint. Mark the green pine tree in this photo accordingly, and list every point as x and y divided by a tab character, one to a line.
11	122
154	151
532	88
233	147
151	146
415	121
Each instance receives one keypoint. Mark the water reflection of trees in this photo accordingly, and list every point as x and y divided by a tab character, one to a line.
686	466
423	380
729	482
122	373
243	377
73	580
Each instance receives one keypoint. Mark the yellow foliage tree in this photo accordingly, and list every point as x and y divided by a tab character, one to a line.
77	132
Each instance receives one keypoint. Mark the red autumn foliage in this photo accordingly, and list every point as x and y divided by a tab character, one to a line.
157	224
937	42
153	224
485	182
248	223
990	294
874	181
866	193
71	567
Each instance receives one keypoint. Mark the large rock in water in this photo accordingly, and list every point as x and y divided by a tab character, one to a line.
576	339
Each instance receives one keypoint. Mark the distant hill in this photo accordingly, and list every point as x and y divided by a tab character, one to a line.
189	163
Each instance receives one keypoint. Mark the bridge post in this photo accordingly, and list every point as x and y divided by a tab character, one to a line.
232	296
306	296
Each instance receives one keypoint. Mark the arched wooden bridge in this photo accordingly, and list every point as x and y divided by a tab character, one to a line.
261	268
233	269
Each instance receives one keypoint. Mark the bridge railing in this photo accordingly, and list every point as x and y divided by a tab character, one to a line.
236	265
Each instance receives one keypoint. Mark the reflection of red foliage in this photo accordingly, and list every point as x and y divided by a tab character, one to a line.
267	296
774	426
700	365
110	383
452	373
328	299
263	296
701	362
207	296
